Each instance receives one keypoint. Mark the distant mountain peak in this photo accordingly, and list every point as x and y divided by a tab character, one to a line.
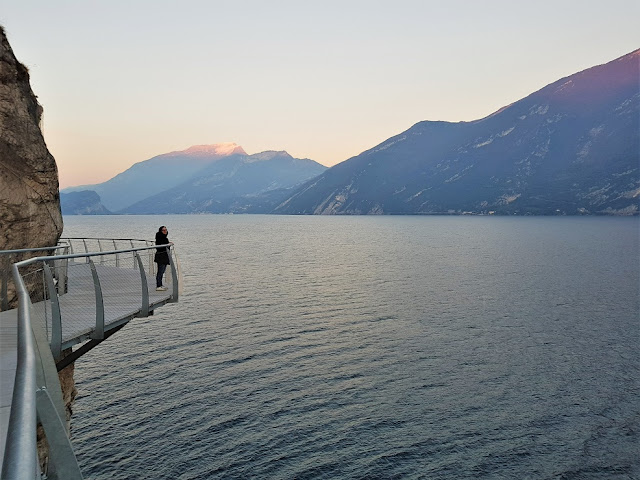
221	149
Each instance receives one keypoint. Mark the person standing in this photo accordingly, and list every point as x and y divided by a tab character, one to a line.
161	257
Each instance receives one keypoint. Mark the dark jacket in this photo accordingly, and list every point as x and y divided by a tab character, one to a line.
162	254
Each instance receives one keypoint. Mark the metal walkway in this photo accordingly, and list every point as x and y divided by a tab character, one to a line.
94	295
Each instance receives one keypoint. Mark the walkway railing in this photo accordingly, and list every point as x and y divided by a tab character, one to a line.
71	298
9	257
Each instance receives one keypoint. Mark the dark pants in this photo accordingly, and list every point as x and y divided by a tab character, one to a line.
161	268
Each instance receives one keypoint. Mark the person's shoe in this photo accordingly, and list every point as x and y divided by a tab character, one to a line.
161	289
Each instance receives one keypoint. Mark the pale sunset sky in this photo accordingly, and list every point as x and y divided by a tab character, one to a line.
123	81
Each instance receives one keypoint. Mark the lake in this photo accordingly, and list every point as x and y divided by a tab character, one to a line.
373	347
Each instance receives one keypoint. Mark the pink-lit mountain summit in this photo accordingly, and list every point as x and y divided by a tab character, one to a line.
209	151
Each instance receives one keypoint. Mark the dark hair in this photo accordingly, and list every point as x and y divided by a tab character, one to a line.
160	229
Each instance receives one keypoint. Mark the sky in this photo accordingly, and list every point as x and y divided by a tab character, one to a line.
123	81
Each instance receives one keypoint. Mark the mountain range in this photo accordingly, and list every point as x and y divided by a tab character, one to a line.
572	147
219	178
157	174
234	184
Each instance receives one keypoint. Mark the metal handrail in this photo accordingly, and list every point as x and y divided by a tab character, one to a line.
30	399
99	240
105	238
24	263
39	249
20	455
56	341
5	268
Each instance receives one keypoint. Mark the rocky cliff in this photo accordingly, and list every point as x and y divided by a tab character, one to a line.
29	201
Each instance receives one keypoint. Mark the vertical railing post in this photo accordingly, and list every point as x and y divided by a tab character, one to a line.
56	318
144	311
150	256
174	277
98	333
135	264
154	265
62	273
4	295
115	247
44	300
101	256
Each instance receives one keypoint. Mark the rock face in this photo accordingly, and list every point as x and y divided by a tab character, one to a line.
29	201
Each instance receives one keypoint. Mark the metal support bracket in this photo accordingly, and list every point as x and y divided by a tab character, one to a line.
64	464
144	311
98	333
174	279
56	318
72	357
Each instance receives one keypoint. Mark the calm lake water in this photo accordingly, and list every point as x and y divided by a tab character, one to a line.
373	348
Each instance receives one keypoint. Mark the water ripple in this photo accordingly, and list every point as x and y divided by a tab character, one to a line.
374	348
